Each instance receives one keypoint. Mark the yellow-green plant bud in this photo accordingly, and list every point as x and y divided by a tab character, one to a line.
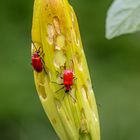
55	35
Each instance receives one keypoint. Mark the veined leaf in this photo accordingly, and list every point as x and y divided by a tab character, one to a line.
123	17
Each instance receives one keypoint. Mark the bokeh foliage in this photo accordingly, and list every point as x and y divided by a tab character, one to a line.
114	67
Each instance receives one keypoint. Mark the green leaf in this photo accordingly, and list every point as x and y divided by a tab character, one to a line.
123	17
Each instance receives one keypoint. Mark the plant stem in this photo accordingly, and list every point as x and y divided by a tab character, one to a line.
74	116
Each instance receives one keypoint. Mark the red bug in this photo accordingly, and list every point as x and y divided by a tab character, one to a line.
68	78
68	81
37	61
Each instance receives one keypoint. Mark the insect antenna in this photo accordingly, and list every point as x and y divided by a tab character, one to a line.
37	50
71	64
42	53
34	46
75	78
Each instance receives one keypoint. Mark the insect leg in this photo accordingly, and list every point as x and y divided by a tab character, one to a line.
59	89
57	83
72	97
64	96
59	75
44	65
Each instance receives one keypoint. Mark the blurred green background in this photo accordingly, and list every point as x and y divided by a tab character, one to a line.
114	67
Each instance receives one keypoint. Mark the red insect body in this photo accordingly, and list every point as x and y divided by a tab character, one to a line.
37	62
68	79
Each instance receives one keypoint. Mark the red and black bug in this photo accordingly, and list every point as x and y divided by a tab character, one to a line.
68	78
68	81
37	61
